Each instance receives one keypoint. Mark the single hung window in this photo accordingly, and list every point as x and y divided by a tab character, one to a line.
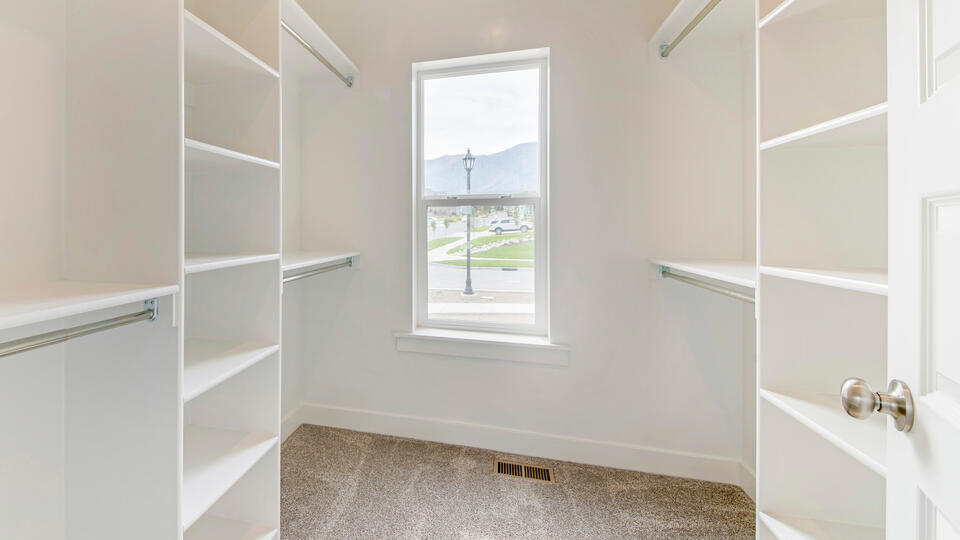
481	193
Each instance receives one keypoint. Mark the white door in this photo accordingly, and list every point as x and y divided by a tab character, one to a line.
923	469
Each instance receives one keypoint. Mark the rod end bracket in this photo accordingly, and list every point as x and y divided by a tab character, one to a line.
152	306
664	50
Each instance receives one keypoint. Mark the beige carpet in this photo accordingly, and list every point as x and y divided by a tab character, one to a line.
345	484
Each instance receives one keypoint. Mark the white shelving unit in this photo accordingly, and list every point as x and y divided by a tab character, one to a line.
32	303
231	350
822	221
209	362
865	441
716	274
303	260
790	528
210	55
202	157
214	461
201	263
869	281
819	275
214	528
90	230
300	64
733	272
867	127
310	89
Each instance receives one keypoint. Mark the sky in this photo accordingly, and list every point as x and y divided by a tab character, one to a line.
487	113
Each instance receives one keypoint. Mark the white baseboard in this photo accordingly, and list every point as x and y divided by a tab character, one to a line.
748	481
291	422
523	442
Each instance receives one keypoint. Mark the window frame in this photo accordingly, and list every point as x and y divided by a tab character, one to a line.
538	59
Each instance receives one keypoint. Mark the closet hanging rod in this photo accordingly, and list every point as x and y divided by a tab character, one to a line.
666	48
293	33
665	273
321	270
16	346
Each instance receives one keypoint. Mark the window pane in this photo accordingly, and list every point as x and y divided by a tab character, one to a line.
496	116
501	267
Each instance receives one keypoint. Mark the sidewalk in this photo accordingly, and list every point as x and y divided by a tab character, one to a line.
468	308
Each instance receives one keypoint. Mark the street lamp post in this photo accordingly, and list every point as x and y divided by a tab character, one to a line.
468	165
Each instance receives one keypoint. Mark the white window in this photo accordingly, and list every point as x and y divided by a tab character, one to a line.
481	193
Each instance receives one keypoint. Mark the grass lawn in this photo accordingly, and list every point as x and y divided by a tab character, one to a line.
515	251
440	242
490	263
484	240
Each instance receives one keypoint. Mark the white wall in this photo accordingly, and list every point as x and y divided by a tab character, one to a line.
645	160
32	46
32	440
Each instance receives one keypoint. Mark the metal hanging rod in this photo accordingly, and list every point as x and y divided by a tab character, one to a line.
16	346
346	80
666	48
665	273
321	270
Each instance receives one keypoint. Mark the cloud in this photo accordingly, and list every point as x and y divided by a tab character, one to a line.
487	112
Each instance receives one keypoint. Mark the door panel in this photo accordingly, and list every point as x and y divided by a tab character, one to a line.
923	465
940	35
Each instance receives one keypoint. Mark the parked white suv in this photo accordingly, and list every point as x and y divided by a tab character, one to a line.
499	226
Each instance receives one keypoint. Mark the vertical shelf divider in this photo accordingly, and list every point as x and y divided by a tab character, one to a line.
821	289
230	376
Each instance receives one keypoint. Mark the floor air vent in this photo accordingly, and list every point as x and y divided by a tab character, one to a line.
519	470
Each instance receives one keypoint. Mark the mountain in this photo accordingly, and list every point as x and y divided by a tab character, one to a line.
512	171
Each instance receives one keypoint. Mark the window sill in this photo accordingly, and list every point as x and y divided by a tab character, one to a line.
487	345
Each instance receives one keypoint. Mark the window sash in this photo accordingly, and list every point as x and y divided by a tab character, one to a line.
541	210
540	277
480	200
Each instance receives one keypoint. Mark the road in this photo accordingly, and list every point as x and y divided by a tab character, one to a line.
441	276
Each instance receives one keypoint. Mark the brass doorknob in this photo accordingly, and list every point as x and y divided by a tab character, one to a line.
860	401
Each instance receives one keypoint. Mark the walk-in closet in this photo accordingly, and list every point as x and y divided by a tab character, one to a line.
142	312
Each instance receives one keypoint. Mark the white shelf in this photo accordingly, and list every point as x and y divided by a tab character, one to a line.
204	263
742	273
791	528
301	63
814	11
200	157
217	528
29	303
866	127
868	281
297	260
728	20
213	461
864	440
208	363
210	56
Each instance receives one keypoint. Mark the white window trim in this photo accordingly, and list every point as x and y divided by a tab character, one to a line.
483	64
484	345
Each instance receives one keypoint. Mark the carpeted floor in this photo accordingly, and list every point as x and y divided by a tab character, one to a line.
345	484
